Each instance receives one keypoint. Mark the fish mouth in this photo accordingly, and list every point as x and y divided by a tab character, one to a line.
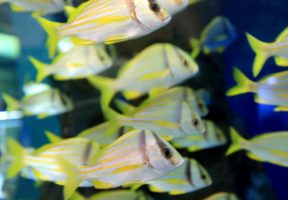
179	163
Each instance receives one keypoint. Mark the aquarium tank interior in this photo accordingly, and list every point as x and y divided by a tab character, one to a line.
143	99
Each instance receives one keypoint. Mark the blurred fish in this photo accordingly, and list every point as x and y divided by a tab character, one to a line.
43	103
189	177
110	195
137	156
216	36
79	62
101	133
32	88
212	137
170	66
170	114
268	147
39	6
271	90
264	51
101	21
42	162
222	196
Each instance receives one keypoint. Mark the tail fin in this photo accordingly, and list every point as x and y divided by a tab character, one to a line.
12	103
40	67
73	177
53	36
52	137
236	142
244	84
106	86
195	44
261	55
17	152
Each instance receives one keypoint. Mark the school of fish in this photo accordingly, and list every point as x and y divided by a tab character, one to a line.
140	144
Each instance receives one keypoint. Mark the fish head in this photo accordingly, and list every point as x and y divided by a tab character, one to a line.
182	64
190	121
199	175
196	102
174	6
163	158
149	14
214	134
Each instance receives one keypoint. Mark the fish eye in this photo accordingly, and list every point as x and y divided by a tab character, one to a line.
203	176
167	153
185	62
195	122
154	7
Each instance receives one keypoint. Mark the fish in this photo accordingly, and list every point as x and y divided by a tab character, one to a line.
79	62
32	88
170	114
212	137
79	151
102	22
222	196
189	177
271	90
216	36
268	147
136	157
109	167
170	66
115	194
41	104
264	50
40	6
102	134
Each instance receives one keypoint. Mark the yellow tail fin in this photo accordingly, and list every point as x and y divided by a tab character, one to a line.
52	137
236	142
196	47
244	84
106	86
53	36
12	103
261	55
17	153
40	67
73	179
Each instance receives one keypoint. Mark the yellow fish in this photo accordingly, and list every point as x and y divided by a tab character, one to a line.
170	66
78	62
170	113
107	21
38	6
189	177
137	156
222	196
271	90
44	103
268	147
212	137
43	161
264	51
